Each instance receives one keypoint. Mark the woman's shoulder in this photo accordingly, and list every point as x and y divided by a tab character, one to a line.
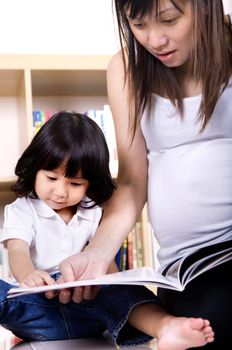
116	74
116	61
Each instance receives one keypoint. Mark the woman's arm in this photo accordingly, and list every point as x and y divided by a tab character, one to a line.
129	198
127	201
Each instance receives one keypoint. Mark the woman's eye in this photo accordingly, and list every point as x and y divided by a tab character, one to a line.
169	20
138	25
135	23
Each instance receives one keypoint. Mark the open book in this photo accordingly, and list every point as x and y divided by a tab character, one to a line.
176	277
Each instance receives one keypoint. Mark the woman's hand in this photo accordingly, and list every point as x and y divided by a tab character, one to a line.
80	266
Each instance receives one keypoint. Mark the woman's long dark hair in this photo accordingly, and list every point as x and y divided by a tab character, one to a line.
211	61
74	141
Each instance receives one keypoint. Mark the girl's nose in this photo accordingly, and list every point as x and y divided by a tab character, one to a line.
59	195
60	191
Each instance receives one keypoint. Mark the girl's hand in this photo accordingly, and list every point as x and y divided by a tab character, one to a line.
37	278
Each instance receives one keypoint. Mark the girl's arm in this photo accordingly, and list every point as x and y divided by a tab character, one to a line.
19	258
123	209
22	267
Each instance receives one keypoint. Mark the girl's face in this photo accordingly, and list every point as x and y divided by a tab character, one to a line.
58	191
166	35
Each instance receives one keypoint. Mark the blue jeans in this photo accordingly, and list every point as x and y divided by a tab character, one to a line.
36	318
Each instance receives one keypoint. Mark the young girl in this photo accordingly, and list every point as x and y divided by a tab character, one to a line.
170	92
63	184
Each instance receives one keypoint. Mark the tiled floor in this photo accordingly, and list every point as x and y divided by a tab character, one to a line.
8	341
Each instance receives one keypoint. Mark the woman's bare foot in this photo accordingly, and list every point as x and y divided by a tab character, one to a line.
181	333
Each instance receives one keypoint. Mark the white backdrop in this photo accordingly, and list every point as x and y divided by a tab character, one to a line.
228	5
59	26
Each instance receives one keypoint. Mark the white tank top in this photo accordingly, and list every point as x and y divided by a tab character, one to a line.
189	176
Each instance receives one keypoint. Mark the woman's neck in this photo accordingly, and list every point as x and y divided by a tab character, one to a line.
189	85
191	88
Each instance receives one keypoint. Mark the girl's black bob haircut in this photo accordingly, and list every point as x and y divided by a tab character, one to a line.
75	142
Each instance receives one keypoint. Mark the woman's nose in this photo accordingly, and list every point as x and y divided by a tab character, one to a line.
157	39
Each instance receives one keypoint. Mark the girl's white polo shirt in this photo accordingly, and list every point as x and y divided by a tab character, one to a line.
50	239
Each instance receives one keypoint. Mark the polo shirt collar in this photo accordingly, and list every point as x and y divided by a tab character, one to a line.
42	209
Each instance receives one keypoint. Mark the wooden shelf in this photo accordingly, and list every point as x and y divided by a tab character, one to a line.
6	183
10	82
68	83
68	62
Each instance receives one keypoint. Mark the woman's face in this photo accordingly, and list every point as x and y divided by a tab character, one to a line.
167	35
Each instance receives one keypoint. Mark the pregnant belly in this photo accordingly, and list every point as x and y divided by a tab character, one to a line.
190	192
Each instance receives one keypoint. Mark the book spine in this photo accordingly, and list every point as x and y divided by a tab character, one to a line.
104	119
130	249
39	118
139	244
147	237
123	256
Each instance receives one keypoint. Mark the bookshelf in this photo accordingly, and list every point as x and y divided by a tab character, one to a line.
29	82
140	246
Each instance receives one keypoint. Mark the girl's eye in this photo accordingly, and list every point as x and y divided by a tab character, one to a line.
51	178
75	184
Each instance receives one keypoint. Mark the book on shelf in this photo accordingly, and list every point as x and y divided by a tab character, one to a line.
176	277
139	243
123	264
130	245
137	249
104	119
150	244
39	118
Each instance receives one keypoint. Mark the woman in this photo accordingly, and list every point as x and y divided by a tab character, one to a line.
170	92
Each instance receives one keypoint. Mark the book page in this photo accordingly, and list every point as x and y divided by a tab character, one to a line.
139	276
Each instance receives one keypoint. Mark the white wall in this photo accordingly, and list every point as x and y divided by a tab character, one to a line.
59	26
227	6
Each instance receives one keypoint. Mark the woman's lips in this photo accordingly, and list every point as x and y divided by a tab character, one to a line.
166	57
